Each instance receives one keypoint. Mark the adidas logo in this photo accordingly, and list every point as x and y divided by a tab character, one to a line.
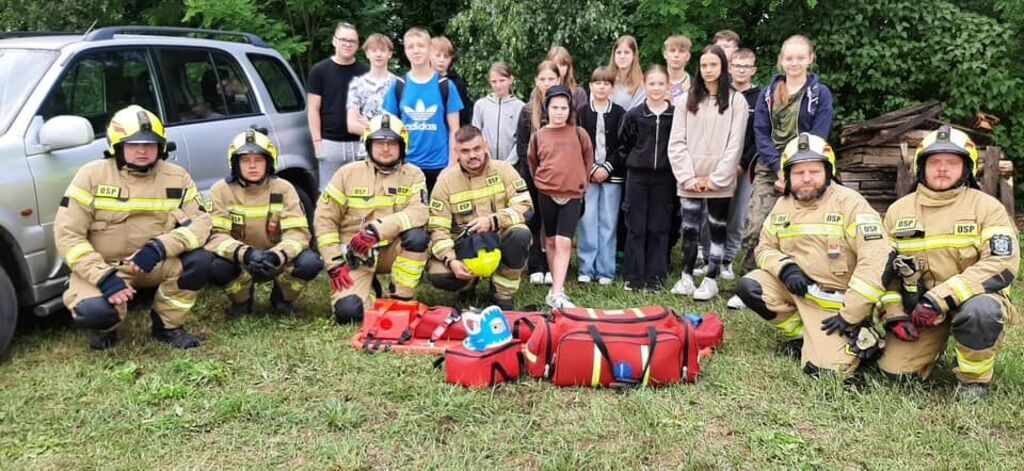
420	112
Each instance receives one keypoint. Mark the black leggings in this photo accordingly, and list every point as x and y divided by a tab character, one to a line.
717	221
559	220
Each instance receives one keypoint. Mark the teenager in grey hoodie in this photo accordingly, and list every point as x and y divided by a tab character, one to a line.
497	114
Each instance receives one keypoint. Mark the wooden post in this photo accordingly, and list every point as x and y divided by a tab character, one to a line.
990	171
1006	195
905	177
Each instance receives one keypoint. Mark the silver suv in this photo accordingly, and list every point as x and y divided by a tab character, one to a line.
57	93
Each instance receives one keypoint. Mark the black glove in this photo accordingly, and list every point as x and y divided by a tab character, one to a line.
112	284
267	264
149	255
795	279
261	263
835	324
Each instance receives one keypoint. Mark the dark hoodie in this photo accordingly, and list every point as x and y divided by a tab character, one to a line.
815	117
466	115
643	139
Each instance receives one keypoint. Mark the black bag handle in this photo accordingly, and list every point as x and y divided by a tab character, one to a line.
518	323
652	339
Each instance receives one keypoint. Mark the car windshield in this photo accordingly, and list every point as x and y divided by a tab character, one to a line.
20	70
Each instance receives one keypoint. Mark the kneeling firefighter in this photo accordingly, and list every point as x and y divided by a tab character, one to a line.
260	231
820	262
370	219
958	252
477	224
133	220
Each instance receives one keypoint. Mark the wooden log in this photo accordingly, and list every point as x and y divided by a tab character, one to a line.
891	116
990	171
931	113
1006	168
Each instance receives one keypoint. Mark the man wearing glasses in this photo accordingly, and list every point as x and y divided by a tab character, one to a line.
328	94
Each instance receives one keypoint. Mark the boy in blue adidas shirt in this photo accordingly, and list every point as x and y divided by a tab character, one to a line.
418	99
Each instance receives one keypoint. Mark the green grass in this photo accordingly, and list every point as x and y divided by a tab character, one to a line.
272	392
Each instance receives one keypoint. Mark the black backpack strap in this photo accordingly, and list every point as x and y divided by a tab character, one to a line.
442	85
399	88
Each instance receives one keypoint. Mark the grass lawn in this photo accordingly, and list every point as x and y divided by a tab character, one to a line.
272	392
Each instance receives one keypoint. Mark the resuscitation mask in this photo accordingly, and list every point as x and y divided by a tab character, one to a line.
486	329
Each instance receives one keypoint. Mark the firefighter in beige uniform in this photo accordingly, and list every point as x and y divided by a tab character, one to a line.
259	229
820	262
958	253
370	219
133	221
477	220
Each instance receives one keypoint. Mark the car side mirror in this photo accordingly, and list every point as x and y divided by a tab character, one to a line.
66	131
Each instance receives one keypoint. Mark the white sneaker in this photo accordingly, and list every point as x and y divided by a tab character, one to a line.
558	301
727	273
584	279
735	303
707	291
700	272
603	281
547	278
684	286
537	278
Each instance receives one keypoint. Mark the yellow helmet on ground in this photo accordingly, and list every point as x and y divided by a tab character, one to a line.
480	253
386	127
251	142
947	140
808	148
135	124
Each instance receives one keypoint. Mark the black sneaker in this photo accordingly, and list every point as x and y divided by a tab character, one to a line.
238	310
277	301
103	340
790	348
177	338
241	309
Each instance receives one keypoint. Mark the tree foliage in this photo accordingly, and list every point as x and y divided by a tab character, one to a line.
520	32
876	56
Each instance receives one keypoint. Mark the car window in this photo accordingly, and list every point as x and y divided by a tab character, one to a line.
283	90
202	86
100	83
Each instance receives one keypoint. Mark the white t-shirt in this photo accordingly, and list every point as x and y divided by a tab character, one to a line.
367	95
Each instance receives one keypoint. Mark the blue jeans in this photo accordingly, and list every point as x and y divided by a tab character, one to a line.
596	249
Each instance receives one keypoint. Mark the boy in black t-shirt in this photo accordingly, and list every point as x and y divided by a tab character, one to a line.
328	95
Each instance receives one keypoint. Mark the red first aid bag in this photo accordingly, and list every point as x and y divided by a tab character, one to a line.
388	323
522	323
710	332
491	367
646	346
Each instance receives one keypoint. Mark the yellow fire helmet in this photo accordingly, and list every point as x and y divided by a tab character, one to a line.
386	127
808	148
135	124
252	142
947	140
480	253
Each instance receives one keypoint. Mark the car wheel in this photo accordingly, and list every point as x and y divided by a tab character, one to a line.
308	206
8	312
